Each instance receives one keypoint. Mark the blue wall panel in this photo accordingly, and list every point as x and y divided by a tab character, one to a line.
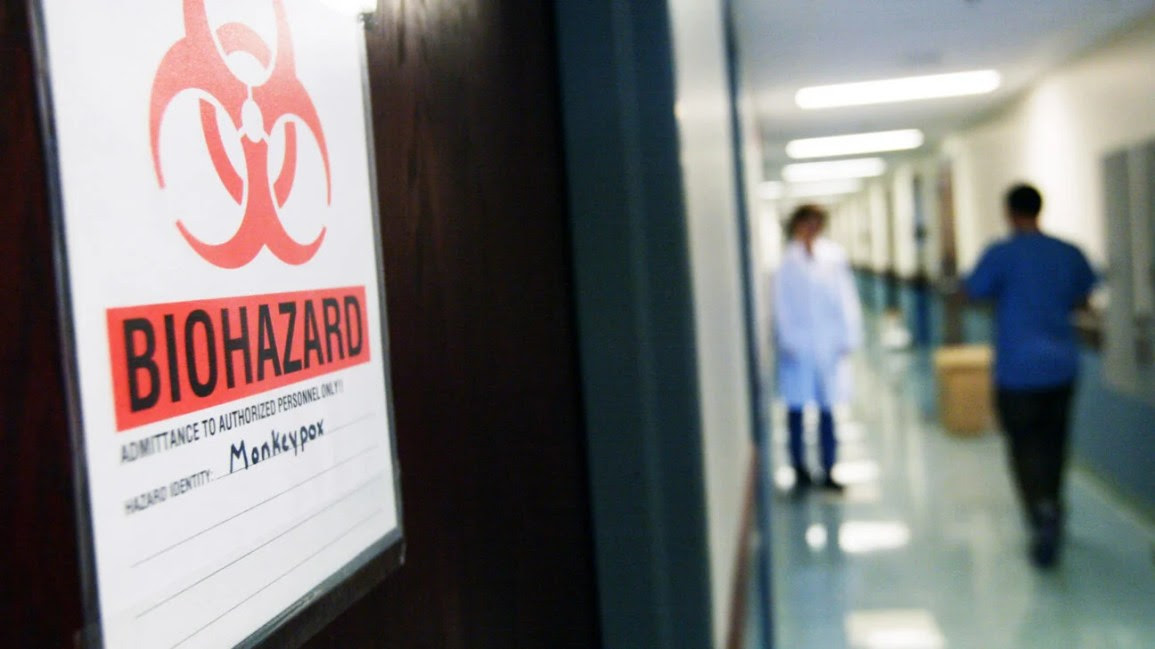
1115	435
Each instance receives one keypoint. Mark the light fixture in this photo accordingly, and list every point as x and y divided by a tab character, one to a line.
825	188
774	190
801	172
856	144
887	91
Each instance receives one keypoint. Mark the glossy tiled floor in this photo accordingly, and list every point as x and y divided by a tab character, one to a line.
926	549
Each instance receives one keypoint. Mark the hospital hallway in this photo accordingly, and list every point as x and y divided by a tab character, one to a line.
926	550
468	324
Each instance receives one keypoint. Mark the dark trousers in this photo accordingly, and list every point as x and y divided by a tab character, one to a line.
826	438
1037	428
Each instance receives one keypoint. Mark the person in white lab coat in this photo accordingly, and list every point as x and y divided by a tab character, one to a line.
817	323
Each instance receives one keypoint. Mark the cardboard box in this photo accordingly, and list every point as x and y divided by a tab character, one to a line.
963	373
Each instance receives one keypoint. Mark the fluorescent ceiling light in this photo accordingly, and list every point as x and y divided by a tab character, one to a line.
773	190
824	188
857	144
801	172
888	91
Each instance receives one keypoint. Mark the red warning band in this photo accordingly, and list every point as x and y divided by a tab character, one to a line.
176	358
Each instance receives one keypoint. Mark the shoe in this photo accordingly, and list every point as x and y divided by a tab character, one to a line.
830	484
1045	551
802	481
1045	540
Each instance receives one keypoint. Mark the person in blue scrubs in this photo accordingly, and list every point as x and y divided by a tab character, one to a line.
817	323
1036	282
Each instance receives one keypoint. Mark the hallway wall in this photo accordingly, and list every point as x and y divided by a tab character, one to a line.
642	195
904	257
1055	136
878	216
709	183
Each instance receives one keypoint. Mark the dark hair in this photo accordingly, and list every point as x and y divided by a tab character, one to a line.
805	213
1024	200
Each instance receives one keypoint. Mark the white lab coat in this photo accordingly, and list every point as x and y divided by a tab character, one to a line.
817	323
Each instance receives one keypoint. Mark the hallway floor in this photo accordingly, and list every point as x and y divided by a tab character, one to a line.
926	549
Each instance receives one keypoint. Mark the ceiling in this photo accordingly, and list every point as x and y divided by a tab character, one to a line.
785	45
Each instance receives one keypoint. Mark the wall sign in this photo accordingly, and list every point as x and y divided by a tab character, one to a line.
221	271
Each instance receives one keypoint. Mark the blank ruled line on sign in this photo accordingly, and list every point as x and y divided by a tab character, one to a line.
271	498
288	572
317	512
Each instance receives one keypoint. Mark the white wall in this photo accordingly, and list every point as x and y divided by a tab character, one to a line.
850	225
904	256
930	169
770	219
1055	137
764	238
706	143
843	225
877	216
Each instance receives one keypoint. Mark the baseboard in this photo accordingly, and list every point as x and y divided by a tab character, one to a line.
1144	513
743	561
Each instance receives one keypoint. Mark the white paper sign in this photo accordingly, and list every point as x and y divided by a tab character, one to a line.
223	275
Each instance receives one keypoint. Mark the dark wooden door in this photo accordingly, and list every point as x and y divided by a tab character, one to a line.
485	379
40	592
489	430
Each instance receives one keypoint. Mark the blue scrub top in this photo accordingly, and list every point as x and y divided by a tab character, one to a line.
1036	282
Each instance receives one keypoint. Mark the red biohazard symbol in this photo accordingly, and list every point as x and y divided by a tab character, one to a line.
194	63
